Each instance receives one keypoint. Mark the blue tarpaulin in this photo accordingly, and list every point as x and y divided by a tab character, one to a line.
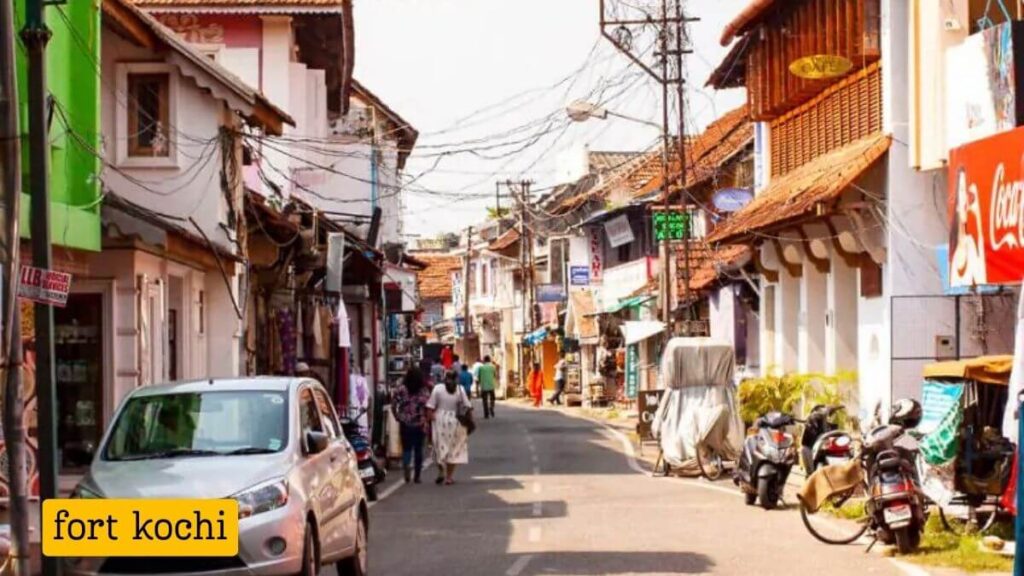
536	337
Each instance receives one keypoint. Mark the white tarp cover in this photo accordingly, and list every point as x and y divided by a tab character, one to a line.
638	330
699	405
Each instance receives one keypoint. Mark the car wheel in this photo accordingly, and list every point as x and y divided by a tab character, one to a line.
358	563
310	564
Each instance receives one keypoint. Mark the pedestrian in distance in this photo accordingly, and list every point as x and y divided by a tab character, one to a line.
456	364
466	381
535	384
451	439
556	398
476	374
410	409
487	379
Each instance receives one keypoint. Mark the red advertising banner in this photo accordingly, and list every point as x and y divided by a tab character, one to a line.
986	211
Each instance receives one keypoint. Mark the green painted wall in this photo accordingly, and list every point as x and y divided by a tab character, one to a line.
73	74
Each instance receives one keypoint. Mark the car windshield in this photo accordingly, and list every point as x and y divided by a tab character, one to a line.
211	423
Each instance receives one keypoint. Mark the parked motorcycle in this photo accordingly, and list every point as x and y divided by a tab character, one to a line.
896	504
767	458
822	442
370	471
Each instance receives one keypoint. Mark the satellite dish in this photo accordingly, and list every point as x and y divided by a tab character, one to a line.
731	199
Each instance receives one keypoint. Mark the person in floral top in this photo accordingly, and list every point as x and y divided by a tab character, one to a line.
410	408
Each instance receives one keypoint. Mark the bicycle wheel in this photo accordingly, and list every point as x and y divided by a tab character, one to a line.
851	517
710	463
984	520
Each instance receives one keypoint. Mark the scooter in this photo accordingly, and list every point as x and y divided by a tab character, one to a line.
822	442
896	505
370	471
768	456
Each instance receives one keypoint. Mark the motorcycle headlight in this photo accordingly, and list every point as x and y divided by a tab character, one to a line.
262	498
86	492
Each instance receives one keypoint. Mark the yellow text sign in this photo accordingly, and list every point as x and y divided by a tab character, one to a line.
100	527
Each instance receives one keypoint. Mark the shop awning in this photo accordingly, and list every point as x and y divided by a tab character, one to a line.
536	337
798	194
636	331
579	320
631	302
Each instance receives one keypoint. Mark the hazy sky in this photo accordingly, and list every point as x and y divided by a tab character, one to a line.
515	64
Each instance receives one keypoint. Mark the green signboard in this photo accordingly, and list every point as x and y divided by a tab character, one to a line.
632	371
671	225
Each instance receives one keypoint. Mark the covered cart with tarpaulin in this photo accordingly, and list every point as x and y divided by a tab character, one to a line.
967	462
699	405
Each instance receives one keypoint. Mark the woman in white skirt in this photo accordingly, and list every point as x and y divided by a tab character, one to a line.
449	436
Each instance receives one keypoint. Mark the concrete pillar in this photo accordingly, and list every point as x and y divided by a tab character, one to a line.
787	322
841	331
811	336
766	326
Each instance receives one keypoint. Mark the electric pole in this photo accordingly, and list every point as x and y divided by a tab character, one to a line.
620	24
35	35
467	323
12	354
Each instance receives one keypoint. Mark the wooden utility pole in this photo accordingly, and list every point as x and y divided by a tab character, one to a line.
671	22
35	36
12	353
466	322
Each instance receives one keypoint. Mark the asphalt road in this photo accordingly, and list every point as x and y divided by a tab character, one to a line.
546	493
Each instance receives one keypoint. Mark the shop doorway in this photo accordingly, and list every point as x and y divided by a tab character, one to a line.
79	336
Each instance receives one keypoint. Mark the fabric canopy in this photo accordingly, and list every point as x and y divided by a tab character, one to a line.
536	337
631	302
987	369
635	331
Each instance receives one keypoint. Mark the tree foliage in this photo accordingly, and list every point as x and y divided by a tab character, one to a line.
794	393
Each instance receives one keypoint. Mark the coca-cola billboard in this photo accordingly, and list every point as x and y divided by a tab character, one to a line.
986	211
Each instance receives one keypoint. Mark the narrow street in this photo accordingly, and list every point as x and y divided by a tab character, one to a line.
547	493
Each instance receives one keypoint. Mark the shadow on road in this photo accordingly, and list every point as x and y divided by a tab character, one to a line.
586	563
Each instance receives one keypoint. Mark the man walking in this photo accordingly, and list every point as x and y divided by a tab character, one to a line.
556	398
487	381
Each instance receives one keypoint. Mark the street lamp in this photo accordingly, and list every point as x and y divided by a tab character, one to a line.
581	111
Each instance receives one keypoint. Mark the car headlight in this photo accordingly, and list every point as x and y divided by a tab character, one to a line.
85	492
262	498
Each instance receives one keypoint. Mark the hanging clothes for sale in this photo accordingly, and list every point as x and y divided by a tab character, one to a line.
344	329
300	332
286	330
359	399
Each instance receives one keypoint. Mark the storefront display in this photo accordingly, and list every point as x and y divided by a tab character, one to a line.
78	331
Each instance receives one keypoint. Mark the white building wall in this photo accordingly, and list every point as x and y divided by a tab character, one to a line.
787	323
722	319
811	334
192	188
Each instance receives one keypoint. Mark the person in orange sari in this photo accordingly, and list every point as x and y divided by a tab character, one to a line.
536	385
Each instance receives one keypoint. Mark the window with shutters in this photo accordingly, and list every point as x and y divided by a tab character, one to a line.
844	113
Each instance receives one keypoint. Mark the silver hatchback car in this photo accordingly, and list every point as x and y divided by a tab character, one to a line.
273	444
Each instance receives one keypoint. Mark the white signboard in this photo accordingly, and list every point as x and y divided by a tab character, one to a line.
44	286
619	231
981	95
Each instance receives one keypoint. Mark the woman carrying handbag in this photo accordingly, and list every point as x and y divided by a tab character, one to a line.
448	408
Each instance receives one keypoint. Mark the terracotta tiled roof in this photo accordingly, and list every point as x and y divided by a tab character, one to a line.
705	262
505	241
601	162
435	281
750	16
708	151
796	194
732	71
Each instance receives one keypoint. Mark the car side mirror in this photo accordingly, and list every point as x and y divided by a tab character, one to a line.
316	442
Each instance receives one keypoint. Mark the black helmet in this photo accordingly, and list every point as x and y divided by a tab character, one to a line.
906	413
